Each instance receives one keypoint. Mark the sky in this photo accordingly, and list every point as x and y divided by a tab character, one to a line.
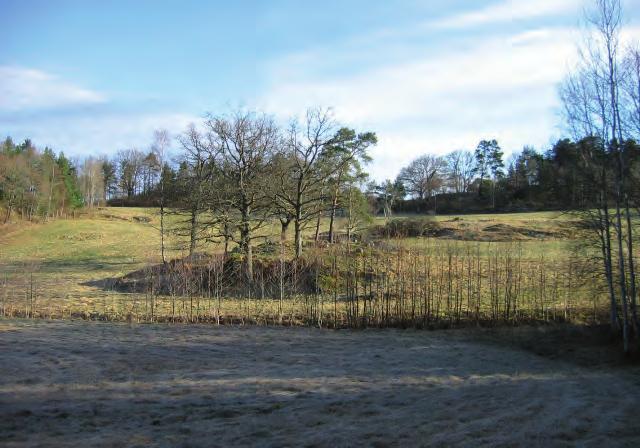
95	77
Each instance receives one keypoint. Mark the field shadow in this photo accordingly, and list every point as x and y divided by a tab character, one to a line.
593	346
227	386
58	266
104	284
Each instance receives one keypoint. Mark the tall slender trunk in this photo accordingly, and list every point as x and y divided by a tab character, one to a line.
53	176
193	229
317	236
227	237
616	135
622	275
493	194
349	217
632	273
245	242
164	261
608	264
334	207
249	261
297	227
6	218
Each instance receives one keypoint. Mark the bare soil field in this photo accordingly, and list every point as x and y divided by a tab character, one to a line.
78	383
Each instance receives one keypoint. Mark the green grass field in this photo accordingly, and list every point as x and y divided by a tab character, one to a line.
114	241
55	263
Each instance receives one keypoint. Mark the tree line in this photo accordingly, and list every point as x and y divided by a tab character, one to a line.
37	184
481	181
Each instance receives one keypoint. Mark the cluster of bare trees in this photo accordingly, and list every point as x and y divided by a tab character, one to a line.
239	171
132	172
601	103
456	172
430	174
91	181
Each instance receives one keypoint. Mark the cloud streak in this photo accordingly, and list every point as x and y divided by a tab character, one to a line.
507	11
83	135
29	89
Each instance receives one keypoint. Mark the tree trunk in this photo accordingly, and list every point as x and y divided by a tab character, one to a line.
622	273
317	236
622	279
245	242
226	239
53	175
334	207
249	261
608	263
297	226
192	232
284	226
164	261
493	194
632	272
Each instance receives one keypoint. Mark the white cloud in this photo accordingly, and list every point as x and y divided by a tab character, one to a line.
29	89
28	97
83	135
502	87
507	11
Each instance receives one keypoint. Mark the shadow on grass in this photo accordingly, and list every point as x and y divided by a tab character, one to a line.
106	284
57	266
195	384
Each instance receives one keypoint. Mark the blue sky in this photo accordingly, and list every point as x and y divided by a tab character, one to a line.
93	77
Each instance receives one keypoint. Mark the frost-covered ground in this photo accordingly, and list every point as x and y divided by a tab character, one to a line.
102	384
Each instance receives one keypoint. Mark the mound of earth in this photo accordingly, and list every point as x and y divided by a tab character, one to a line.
505	232
205	272
494	232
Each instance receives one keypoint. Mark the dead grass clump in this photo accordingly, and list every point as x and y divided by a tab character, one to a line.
206	275
82	236
407	228
505	232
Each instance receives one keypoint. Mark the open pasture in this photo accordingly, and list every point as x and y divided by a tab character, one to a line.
68	268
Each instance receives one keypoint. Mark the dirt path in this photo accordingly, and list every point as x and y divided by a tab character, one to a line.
98	384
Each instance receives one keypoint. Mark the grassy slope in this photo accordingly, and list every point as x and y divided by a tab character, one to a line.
553	247
113	241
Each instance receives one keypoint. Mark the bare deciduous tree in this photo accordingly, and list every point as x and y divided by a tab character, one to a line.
459	170
160	146
595	105
303	174
193	178
423	176
244	144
